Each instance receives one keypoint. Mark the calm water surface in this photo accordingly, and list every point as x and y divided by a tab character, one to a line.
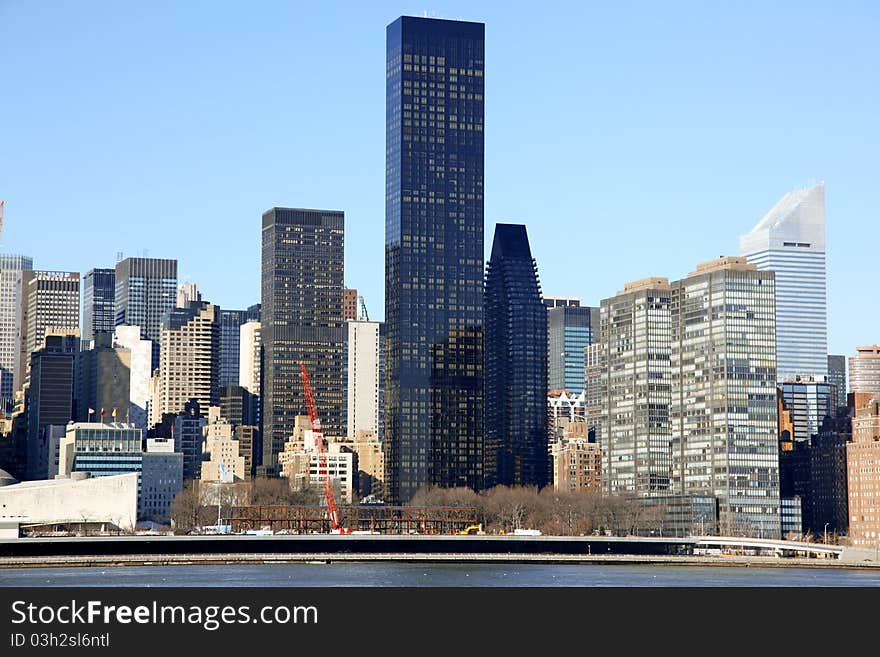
404	574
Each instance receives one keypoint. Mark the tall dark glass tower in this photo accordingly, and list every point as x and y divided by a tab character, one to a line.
516	451
302	321
99	295
434	255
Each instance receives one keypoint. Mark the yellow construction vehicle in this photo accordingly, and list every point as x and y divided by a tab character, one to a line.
471	529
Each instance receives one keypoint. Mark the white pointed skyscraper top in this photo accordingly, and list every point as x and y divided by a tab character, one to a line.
790	240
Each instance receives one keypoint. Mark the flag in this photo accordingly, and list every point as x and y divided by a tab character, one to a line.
114	413
91	411
103	412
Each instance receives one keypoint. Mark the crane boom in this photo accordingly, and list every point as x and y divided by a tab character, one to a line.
323	468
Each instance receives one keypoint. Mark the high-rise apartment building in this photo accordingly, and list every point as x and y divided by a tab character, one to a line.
837	378
363	360
571	328
99	302
146	288
636	384
516	449
11	274
190	357
864	370
723	408
50	302
231	322
790	240
863	472
434	161
302	282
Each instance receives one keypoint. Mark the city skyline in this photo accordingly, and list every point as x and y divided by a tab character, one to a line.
27	227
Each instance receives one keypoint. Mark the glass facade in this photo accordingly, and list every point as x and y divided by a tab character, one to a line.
837	378
571	329
635	328
434	254
790	240
99	302
723	406
516	450
809	401
302	283
146	288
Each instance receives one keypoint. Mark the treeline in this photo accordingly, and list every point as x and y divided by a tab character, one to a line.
552	512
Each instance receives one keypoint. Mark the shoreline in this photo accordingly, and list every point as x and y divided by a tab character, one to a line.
164	560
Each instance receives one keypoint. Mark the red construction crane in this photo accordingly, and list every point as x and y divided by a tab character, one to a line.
323	468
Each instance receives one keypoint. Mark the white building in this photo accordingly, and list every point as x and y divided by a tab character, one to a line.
362	377
11	268
790	240
250	340
80	499
141	351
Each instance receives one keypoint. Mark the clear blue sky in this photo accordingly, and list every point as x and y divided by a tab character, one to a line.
634	139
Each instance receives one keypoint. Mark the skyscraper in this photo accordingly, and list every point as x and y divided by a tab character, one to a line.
250	363
99	302
146	288
724	406
636	382
570	329
790	240
11	268
50	302
808	399
837	378
864	370
230	330
302	281
516	449
190	358
363	351
434	254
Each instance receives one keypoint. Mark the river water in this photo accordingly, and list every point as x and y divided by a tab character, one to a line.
421	575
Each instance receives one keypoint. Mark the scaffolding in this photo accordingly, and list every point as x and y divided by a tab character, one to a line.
379	519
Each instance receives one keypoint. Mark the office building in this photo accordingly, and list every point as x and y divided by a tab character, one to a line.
809	400
99	303
634	388
190	357
864	370
222	461
570	329
300	462
370	463
230	342
146	288
50	300
790	240
724	406
434	254
161	479
49	396
363	365
11	277
302	282
187	430
516	449
837	378
140	357
863	472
